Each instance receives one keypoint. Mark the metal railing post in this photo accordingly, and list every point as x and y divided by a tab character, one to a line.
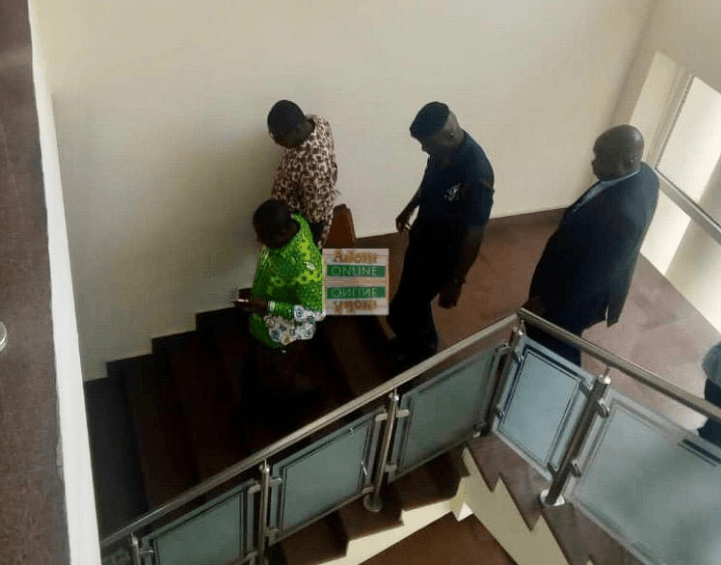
372	501
136	553
263	512
594	407
496	411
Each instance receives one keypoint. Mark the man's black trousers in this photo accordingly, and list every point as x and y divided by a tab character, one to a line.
429	263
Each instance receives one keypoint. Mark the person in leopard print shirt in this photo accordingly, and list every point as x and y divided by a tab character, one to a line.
307	172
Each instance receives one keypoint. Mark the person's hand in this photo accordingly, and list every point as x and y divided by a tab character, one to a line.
403	221
450	293
535	305
248	304
255	305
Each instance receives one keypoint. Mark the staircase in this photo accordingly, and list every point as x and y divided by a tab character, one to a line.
177	428
162	423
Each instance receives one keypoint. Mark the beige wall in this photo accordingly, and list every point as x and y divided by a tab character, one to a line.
663	88
74	448
161	106
687	33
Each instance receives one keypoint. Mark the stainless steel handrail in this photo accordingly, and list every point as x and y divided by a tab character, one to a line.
636	372
286	442
690	208
652	380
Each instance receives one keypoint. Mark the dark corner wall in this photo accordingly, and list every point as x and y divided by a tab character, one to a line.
33	528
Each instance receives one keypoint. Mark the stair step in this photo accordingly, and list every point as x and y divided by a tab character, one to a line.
204	397
496	459
579	538
456	460
237	364
117	477
434	482
492	455
360	361
228	331
260	434
166	465
226	321
321	541
383	328
358	522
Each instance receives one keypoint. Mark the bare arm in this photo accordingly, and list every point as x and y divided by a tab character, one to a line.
404	218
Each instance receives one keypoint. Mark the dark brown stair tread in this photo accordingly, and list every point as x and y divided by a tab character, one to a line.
383	327
204	397
491	455
577	536
319	542
524	486
226	321
358	522
580	539
165	463
234	352
226	331
117	477
433	482
447	470
362	363
494	458
456	460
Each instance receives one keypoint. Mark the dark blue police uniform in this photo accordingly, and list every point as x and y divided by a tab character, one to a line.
455	194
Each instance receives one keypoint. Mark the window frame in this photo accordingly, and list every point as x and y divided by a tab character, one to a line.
677	99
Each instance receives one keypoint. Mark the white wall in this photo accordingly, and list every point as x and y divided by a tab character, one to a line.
687	33
663	86
696	267
160	108
694	147
74	450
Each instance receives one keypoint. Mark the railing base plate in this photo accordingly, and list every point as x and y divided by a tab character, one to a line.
370	505
560	501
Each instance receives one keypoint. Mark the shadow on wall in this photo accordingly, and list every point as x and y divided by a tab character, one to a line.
173	238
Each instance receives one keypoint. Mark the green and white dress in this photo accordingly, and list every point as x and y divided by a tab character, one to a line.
291	280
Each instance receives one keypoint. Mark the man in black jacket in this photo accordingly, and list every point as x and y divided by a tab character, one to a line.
585	272
454	203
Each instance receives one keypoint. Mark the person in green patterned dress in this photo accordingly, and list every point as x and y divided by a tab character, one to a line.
286	299
284	304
